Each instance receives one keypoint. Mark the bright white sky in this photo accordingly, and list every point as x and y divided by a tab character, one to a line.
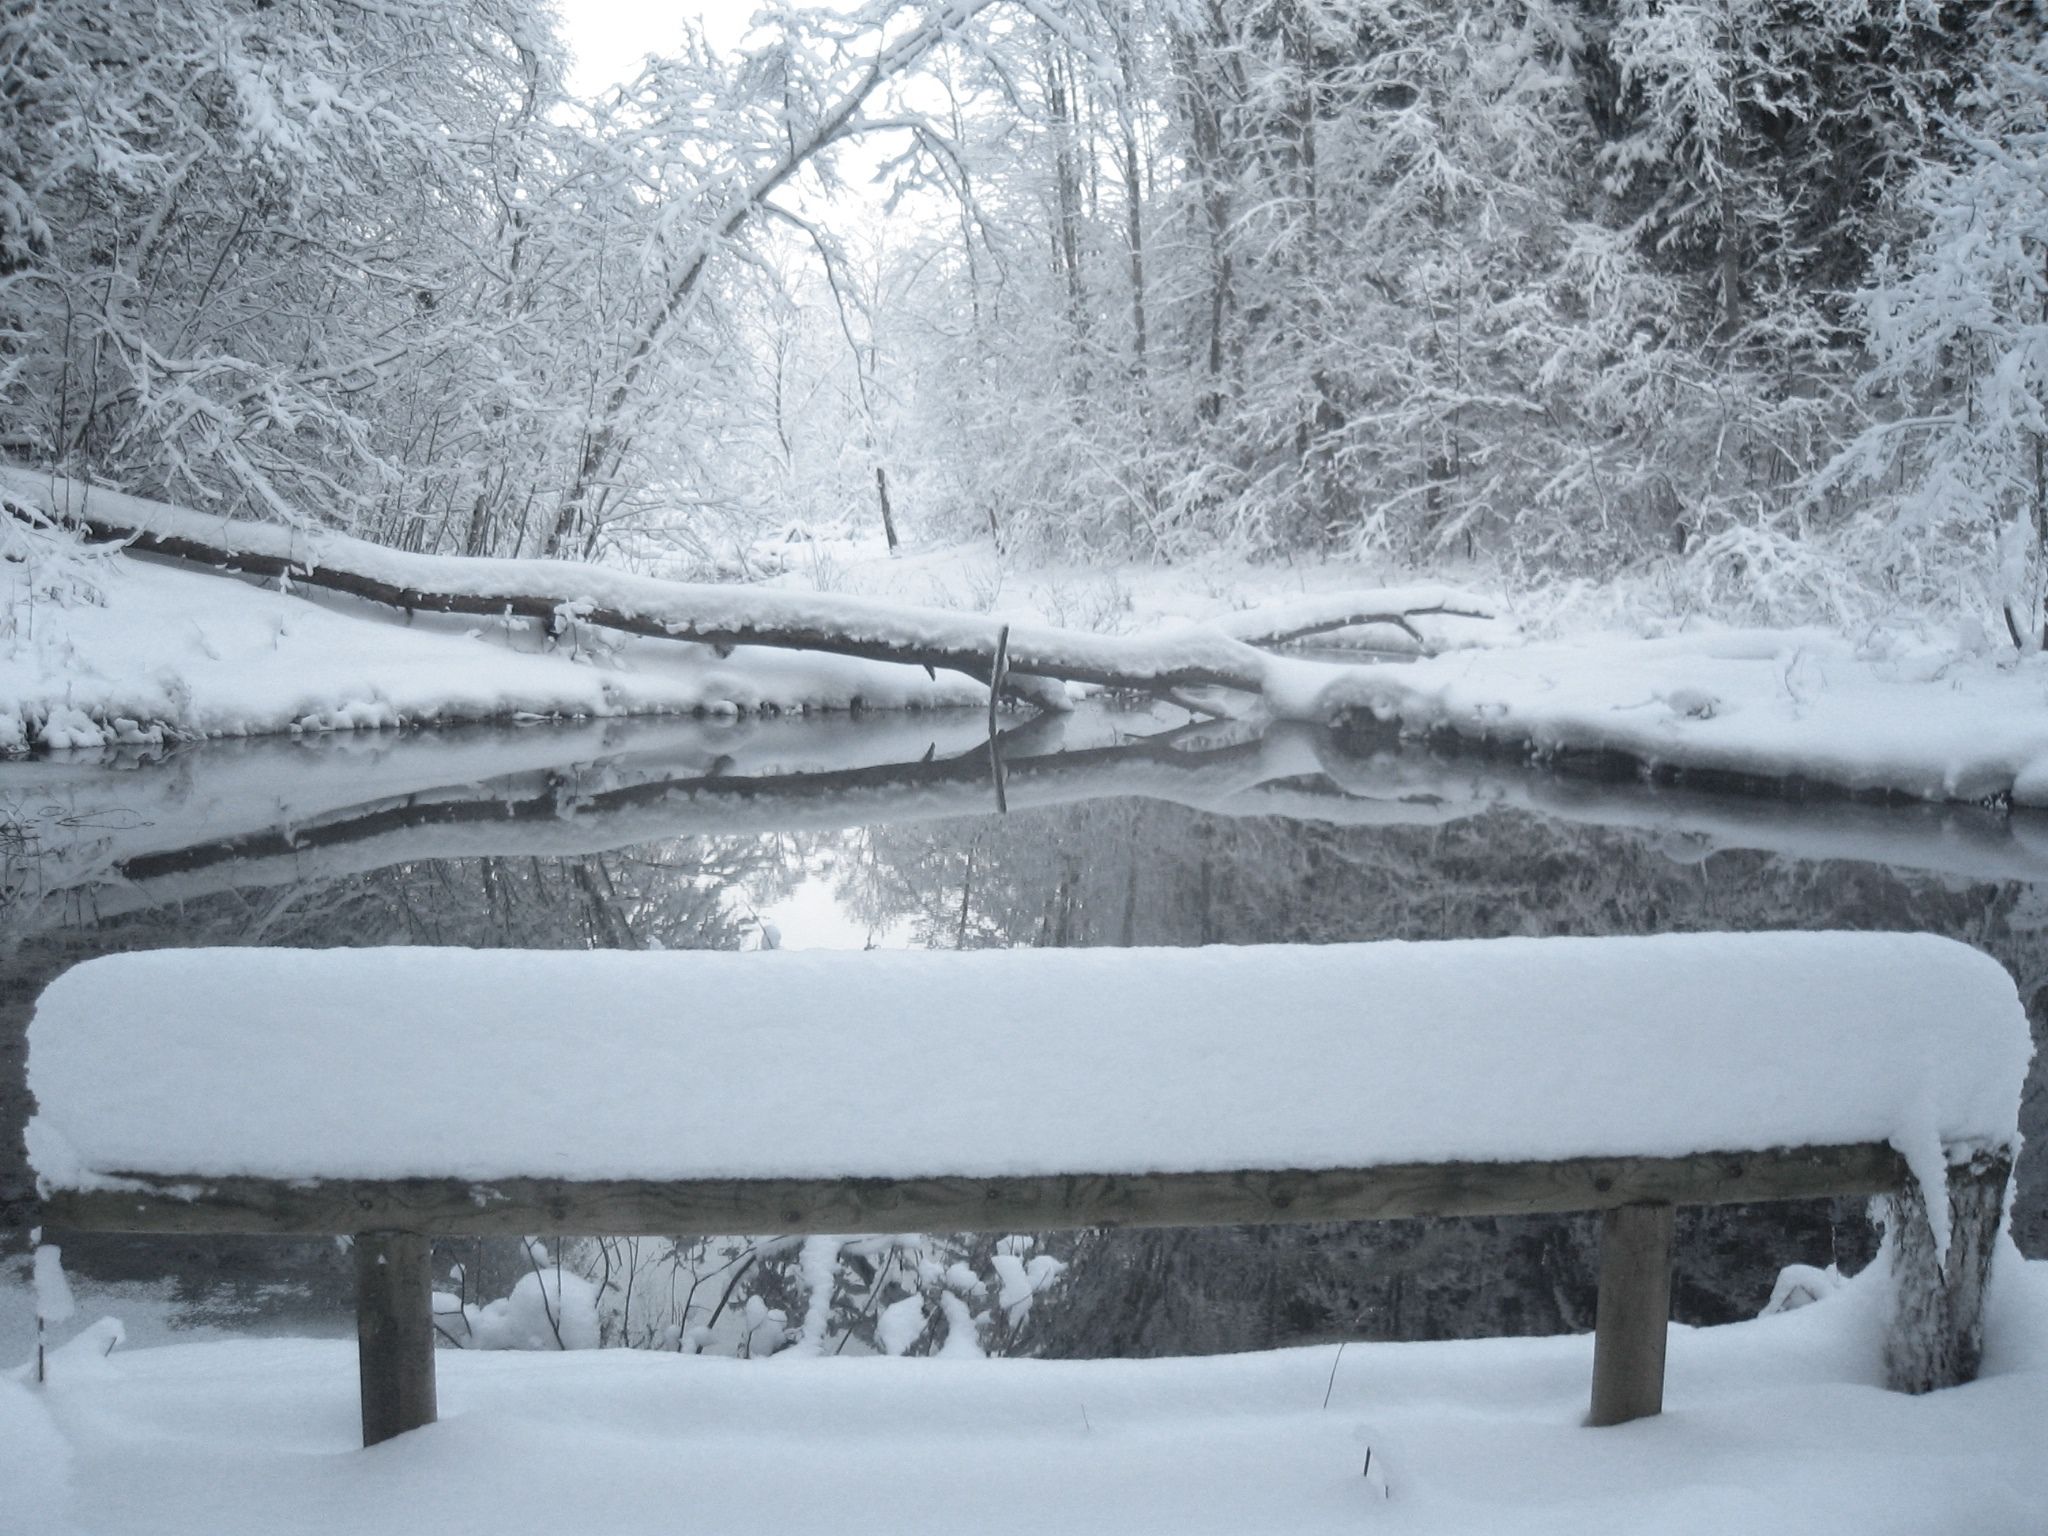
609	38
811	917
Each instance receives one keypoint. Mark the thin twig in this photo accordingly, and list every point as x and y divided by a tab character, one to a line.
546	1307
1333	1376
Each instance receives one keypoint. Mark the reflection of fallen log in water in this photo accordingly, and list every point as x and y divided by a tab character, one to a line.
601	807
71	824
626	788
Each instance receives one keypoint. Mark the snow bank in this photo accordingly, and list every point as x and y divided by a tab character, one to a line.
186	653
722	613
478	1064
550	1308
1770	1426
191	654
1775	704
1253	600
35	1462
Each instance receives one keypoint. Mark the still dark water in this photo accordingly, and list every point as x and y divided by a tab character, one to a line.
844	833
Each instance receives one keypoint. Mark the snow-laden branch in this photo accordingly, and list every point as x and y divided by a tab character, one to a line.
1323	613
1039	659
836	122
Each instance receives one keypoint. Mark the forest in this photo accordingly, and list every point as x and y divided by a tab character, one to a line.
1740	300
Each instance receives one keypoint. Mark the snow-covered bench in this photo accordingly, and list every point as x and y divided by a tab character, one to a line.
400	1094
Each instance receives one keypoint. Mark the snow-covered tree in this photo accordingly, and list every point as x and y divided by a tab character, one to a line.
231	234
1544	284
1952	477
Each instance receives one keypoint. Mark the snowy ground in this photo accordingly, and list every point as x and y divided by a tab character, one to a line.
207	655
1116	598
1773	1425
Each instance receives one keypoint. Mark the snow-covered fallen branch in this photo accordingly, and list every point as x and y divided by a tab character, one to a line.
1040	659
1324	613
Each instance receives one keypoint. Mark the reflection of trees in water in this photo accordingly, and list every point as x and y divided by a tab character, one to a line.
1125	872
669	896
1116	872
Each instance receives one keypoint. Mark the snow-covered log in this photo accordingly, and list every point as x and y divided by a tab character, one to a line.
557	594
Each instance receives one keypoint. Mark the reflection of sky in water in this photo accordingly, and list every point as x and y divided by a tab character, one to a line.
812	916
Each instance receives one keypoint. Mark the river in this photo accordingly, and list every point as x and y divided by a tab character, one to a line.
904	830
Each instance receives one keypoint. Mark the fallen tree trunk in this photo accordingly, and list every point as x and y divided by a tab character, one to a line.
1038	659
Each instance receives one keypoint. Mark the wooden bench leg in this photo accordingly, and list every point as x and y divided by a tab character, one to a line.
1634	1314
1936	1335
394	1333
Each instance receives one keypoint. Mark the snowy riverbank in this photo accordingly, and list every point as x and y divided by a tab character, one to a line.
1802	707
1770	1425
143	651
85	637
178	652
1905	711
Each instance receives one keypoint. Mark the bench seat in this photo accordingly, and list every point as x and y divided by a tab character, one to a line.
407	1093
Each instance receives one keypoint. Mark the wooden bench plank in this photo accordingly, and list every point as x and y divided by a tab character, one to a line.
514	1207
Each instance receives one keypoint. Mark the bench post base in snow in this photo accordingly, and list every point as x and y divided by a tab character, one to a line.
1634	1313
394	1332
1936	1336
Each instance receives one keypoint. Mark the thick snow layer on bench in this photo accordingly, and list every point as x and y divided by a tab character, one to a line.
484	1064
